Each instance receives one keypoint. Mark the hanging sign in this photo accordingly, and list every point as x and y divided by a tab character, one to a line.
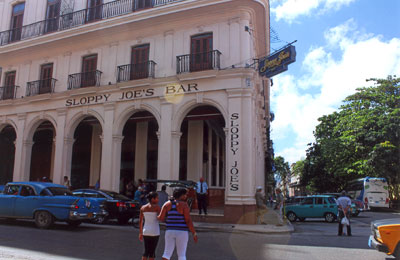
277	62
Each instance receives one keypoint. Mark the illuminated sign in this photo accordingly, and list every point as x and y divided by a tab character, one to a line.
277	62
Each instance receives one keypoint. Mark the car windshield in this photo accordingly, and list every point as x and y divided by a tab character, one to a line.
57	191
115	195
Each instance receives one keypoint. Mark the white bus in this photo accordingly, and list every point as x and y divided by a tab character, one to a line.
374	192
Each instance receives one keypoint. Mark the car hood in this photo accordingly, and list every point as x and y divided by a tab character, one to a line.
385	222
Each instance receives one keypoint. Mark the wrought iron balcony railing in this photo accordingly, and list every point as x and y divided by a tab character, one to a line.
136	71
84	79
8	92
38	87
79	18
198	61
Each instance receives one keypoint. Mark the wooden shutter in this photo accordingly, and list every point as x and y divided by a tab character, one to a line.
140	62
94	10
17	18
9	85
89	66
52	15
46	74
201	52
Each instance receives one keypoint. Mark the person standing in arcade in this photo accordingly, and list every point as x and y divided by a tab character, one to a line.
201	192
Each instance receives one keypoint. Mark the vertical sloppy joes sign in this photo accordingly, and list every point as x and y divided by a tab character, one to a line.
234	147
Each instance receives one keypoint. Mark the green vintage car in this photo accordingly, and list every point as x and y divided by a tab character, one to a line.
316	206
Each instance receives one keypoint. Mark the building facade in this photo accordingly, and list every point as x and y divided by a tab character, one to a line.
112	91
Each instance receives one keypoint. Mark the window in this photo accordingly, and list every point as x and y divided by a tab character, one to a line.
17	18
307	201
46	74
89	66
139	62
331	200
94	10
27	191
142	4
9	85
201	52
11	190
319	200
52	15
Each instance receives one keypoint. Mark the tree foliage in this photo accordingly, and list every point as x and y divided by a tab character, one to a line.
361	139
282	169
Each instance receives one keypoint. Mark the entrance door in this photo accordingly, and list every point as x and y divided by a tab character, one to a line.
52	15
46	74
17	18
9	86
201	52
139	61
94	10
89	66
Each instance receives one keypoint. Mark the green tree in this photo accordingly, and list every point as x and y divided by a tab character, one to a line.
361	139
282	169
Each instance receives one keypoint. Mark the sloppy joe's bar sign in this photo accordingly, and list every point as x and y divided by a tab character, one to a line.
131	94
277	62
234	147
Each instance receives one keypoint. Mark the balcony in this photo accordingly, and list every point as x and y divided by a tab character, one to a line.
38	87
84	79
8	92
136	71
79	18
198	62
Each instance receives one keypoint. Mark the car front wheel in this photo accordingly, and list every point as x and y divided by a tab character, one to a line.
291	216
43	219
329	217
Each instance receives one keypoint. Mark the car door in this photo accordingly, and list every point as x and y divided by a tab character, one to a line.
319	207
26	202
305	208
7	200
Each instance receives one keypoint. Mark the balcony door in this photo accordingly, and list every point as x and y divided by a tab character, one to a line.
94	10
52	15
140	62
143	4
201	52
17	18
89	66
46	75
9	85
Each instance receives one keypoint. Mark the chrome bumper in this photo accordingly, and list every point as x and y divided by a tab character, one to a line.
73	215
373	243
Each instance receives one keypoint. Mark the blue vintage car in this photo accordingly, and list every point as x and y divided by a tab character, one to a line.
45	203
316	206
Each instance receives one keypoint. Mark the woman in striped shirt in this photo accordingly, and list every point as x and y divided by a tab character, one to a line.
176	215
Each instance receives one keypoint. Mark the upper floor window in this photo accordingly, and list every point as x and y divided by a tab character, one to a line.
52	15
89	66
139	61
201	47
46	75
94	10
142	4
17	18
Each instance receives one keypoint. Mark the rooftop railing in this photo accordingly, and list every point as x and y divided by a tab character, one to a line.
79	18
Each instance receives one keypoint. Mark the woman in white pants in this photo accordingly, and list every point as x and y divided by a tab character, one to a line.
176	215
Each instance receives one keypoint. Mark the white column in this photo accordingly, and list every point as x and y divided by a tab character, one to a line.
169	56
166	157
141	150
234	40
116	162
95	155
67	157
106	155
26	160
234	169
58	169
195	150
17	176
175	151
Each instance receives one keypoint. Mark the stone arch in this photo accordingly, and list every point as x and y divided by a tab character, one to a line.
77	118
8	137
186	108
35	122
121	120
7	123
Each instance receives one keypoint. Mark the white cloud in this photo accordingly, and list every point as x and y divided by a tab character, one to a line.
290	10
299	102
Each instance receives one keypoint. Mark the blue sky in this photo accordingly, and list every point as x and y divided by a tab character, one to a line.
340	43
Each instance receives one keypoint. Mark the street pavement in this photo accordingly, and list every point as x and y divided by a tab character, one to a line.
312	239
